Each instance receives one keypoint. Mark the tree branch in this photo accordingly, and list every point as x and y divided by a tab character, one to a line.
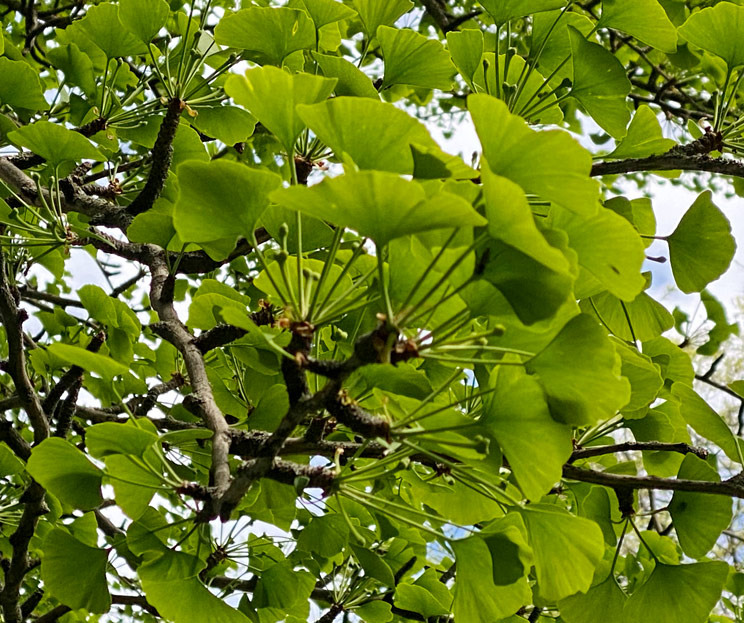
732	487
12	319
669	162
646	446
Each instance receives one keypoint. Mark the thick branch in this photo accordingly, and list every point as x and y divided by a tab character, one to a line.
74	200
12	319
670	162
647	446
731	488
162	154
171	328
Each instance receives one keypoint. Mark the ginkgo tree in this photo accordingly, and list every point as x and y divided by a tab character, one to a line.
339	372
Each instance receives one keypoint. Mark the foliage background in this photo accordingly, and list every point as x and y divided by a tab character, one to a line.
332	372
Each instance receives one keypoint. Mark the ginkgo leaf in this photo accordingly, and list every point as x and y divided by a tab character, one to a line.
504	10
567	550
382	206
20	86
701	247
170	582
518	417
646	20
705	421
376	13
324	12
510	219
549	163
679	593
272	96
228	124
642	319
220	199
608	247
477	598
698	518
375	135
644	137
103	366
66	557
414	60
55	143
143	18
64	471
271	32
716	29
101	26
109	438
606	597
350	79
466	48
599	84
580	373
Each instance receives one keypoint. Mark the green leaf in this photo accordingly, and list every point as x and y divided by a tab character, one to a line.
273	33
374	565
477	598
220	199
324	12
716	30
642	319
644	137
721	330
512	150
518	417
10	464
63	470
350	80
133	485
414	60
466	48
534	291
277	111
416	599
374	612
143	18
379	205
698	518
644	377
567	550
599	84
98	304
109	438
503	11
65	557
374	135
102	27
20	86
607	598
101	365
510	219
704	420
228	124
376	13
76	65
170	582
55	143
608	248
580	373
702	247
325	535
646	20
681	593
